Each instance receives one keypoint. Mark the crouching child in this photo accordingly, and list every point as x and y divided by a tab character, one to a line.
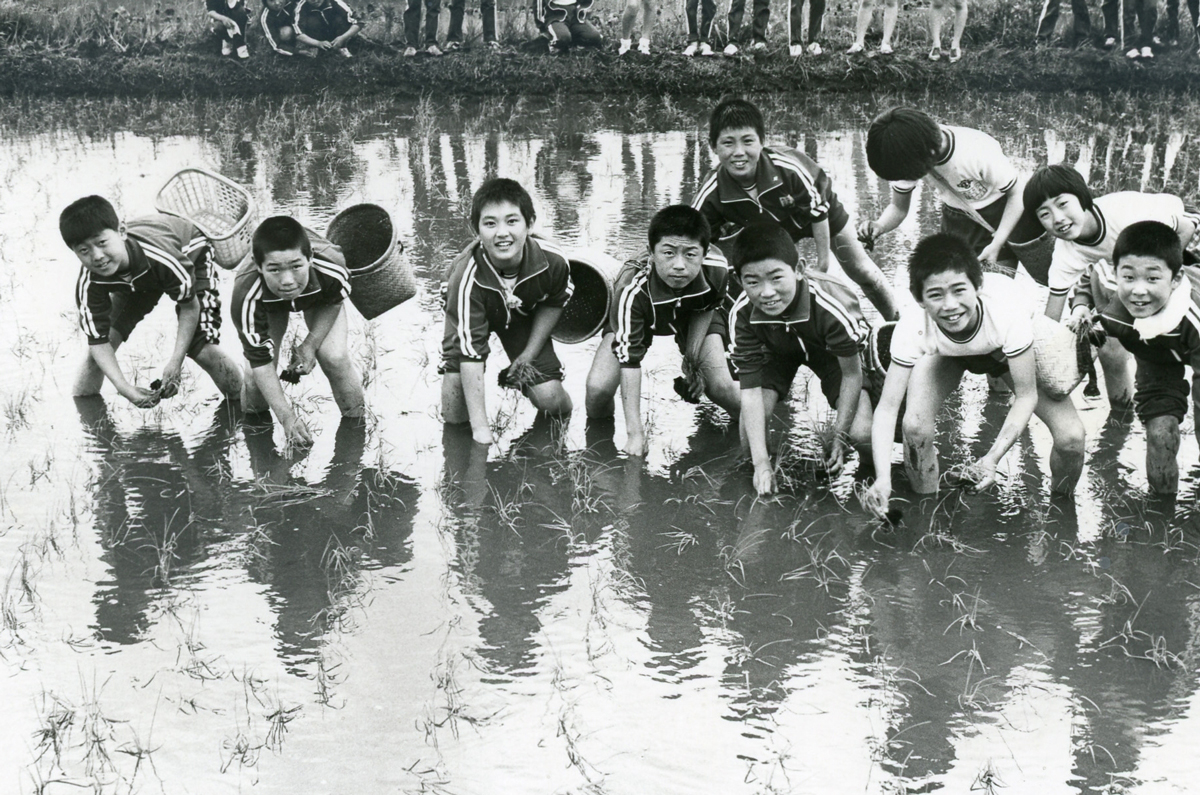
786	318
972	322
511	284
126	269
680	288
294	270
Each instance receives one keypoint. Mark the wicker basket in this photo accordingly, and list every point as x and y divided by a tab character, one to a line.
220	208
379	278
1036	255
593	274
1062	357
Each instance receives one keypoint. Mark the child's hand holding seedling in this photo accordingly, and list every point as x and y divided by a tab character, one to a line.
836	456
168	386
875	499
694	374
295	432
141	397
764	479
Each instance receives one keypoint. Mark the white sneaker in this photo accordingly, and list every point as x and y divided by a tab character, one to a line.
644	46
691	49
345	53
855	48
410	52
795	50
626	46
1110	42
731	49
1147	52
706	49
885	49
433	50
814	48
226	47
243	53
758	46
1133	53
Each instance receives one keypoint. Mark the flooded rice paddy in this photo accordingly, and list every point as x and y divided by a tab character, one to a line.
186	607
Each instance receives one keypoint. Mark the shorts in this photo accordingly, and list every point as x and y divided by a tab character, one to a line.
129	309
778	376
958	222
718	326
513	340
1160	390
982	364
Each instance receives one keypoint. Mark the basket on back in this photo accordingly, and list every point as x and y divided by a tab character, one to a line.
1035	255
593	273
379	278
220	208
1063	357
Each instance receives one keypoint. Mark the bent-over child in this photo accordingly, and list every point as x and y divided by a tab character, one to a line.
754	182
511	284
971	322
679	287
325	25
230	18
278	22
294	270
565	24
126	269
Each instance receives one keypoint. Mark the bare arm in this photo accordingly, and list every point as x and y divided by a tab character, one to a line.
1024	381
267	381
545	318
187	321
1013	209
341	40
754	420
821	237
847	407
892	216
106	359
883	433
631	401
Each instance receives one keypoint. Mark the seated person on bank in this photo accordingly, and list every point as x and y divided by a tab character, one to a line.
786	318
1153	310
565	24
278	21
753	182
326	25
511	284
1086	229
972	322
126	269
294	270
230	18
680	288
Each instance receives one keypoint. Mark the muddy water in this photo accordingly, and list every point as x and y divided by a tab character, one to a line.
188	608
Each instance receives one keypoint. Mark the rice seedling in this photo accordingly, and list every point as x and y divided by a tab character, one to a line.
277	724
987	780
680	539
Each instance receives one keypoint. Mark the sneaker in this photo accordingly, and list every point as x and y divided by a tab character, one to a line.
492	45
856	48
644	46
432	49
885	49
731	49
1157	42
795	50
706	49
935	54
626	46
243	52
814	48
226	47
342	51
1110	42
1132	54
409	52
1147	52
691	49
759	46
955	54
451	46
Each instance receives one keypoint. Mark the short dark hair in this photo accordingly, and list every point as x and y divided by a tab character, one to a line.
280	233
497	190
763	240
735	114
1050	181
1149	239
901	144
680	220
87	217
940	253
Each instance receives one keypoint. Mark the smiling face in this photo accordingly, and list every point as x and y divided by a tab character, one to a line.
952	301
738	150
1064	217
502	231
1144	284
286	272
770	285
104	253
677	260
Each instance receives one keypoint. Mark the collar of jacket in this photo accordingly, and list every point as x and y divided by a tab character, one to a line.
533	262
660	293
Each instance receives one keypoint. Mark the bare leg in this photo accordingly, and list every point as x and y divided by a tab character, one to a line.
1066	429
1117	364
550	398
960	23
344	380
863	270
1162	448
891	11
602	381
936	13
454	402
866	10
222	369
719	385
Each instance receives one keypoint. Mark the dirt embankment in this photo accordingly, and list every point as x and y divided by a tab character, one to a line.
476	73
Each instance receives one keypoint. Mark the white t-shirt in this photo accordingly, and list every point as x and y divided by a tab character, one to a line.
975	165
1114	212
1007	326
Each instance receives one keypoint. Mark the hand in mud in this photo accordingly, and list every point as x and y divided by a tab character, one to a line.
876	498
836	458
694	375
867	232
764	479
143	398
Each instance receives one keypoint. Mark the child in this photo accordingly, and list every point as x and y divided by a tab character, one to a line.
412	27
816	15
326	25
699	28
278	19
678	288
972	322
1143	13
511	284
629	19
487	12
755	182
564	23
125	270
937	15
761	15
1086	230
786	318
232	17
866	10
977	184
294	270
1153	312
1081	22
1193	33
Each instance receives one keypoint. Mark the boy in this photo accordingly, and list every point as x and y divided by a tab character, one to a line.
786	318
325	25
754	182
629	19
972	322
564	23
487	12
678	288
293	270
937	15
125	270
511	284
232	17
977	184
866	10
699	26
1153	312
1086	230
278	19
412	27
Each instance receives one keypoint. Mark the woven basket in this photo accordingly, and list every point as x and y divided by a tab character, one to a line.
220	208
1061	357
1036	255
380	278
593	274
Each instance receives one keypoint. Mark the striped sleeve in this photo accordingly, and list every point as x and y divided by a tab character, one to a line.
708	203
95	308
347	12
716	273
803	184
747	352
467	327
558	284
840	324
250	320
265	20
629	321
